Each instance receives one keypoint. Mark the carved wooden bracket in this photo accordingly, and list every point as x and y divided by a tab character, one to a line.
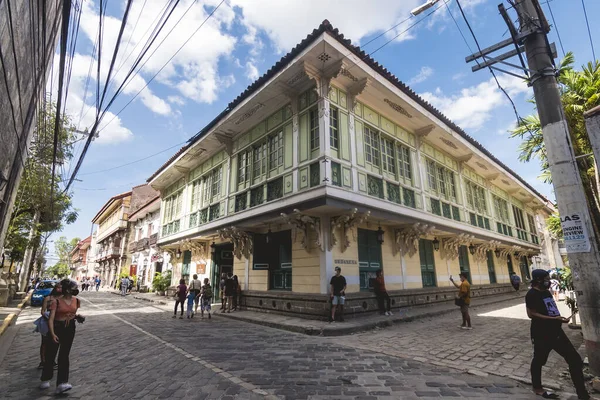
198	249
482	249
515	251
345	223
464	158
449	246
356	89
424	131
242	241
226	140
305	223
407	239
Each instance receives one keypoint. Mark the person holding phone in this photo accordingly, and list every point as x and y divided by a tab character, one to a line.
547	335
61	323
463	299
338	294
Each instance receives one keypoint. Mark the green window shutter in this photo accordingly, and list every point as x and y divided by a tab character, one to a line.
233	174
344	136
303	138
288	146
360	146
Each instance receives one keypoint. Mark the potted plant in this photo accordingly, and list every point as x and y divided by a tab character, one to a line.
157	283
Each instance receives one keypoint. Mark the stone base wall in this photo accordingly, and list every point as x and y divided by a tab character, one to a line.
317	306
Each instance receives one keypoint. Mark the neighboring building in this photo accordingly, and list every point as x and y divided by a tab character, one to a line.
144	223
329	160
25	72
79	260
111	237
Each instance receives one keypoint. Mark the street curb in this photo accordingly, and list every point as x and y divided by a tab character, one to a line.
340	330
13	316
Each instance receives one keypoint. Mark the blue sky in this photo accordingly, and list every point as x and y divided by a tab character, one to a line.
244	38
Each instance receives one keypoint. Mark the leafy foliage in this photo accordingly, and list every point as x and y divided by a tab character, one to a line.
554	226
58	270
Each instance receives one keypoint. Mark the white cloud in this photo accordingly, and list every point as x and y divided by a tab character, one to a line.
473	106
176	100
506	130
459	76
288	22
422	76
251	71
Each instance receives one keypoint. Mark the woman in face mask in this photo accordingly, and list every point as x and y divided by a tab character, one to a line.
63	313
547	335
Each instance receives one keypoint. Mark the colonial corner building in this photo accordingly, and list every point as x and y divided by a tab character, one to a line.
329	160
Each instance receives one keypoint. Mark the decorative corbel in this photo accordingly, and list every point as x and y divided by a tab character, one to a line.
242	241
226	140
346	223
356	89
305	223
492	177
407	239
450	246
198	249
482	249
424	131
465	158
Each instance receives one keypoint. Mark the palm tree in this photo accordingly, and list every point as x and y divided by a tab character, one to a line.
580	91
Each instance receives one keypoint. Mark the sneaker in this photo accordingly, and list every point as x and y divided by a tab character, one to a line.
467	328
387	313
44	385
63	387
390	313
40	365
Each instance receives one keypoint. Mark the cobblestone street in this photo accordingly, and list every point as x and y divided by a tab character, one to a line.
128	349
498	344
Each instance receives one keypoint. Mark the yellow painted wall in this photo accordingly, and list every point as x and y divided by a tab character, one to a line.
239	269
413	270
392	265
351	253
306	265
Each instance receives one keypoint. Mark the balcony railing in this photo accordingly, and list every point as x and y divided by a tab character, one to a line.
132	246
141	244
114	251
153	239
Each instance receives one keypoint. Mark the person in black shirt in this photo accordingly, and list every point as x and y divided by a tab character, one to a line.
547	335
338	294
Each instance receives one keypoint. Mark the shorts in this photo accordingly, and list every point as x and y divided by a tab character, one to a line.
464	308
338	300
205	305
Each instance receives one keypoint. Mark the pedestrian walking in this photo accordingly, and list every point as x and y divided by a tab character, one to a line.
42	323
61	324
98	282
229	292
463	300
206	298
515	281
222	290
191	296
547	335
196	287
337	286
180	295
382	294
129	284
237	289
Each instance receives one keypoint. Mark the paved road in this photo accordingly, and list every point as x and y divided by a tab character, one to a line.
128	349
499	343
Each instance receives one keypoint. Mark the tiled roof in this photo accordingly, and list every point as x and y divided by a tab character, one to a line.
283	62
107	204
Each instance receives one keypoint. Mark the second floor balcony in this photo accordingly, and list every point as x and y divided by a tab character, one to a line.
141	244
109	252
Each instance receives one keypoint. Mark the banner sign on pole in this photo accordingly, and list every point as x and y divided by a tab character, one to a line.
575	234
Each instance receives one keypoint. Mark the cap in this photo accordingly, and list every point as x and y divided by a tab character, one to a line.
539	274
337	268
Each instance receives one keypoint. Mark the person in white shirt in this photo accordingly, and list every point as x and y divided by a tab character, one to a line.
195	286
124	286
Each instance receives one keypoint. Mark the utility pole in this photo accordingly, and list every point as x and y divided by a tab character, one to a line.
584	259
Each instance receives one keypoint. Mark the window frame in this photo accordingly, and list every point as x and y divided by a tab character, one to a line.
434	171
313	129
334	128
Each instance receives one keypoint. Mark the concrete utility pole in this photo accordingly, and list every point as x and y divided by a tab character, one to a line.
584	259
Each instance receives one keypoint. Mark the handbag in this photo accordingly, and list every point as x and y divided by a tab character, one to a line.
459	301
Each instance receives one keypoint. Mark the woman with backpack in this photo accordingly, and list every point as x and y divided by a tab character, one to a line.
206	294
61	324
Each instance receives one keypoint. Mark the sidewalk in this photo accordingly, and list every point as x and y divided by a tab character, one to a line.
10	313
352	325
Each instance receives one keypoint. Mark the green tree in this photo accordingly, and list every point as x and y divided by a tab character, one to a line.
580	91
58	270
42	208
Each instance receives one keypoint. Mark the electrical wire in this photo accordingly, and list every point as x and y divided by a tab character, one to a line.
491	70
556	27
588	29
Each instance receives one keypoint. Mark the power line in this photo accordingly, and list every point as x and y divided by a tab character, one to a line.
133	162
588	29
491	70
556	27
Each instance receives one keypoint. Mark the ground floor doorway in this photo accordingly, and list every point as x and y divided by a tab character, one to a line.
222	258
273	252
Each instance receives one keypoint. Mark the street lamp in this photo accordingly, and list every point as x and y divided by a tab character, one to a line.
436	244
423	7
380	234
497	253
213	248
471	249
